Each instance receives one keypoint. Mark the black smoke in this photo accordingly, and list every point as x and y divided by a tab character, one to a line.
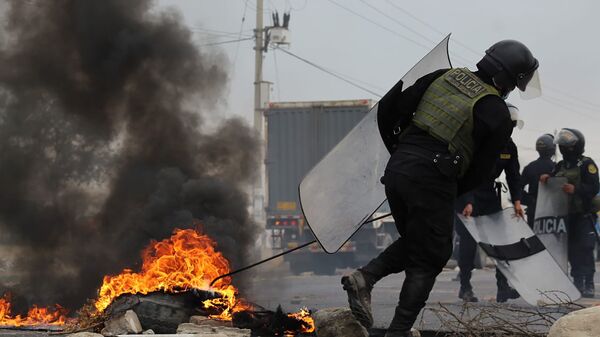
103	144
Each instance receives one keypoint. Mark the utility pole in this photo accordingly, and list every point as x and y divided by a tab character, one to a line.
261	97
278	35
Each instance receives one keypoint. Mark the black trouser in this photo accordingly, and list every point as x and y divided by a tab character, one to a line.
581	246
424	218
530	215
466	256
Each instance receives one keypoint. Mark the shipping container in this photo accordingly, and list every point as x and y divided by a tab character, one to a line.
299	135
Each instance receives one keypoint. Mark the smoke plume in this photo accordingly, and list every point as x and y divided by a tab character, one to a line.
102	148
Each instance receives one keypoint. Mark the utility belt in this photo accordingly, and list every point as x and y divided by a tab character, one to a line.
448	164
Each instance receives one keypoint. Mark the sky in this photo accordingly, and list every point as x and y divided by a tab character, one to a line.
372	43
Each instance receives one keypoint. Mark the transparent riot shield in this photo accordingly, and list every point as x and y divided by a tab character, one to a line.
523	259
343	190
550	223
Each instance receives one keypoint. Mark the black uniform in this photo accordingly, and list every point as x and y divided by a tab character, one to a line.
486	200
580	224
531	178
422	198
467	247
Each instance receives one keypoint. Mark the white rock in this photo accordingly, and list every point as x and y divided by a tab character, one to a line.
580	323
126	323
203	320
184	328
335	322
212	331
148	332
85	334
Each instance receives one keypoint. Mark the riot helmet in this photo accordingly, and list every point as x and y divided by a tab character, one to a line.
545	146
571	143
511	65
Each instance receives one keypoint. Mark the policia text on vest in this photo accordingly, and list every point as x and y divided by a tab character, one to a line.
445	112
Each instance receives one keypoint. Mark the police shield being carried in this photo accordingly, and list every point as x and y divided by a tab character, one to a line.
486	200
580	184
444	133
532	172
550	220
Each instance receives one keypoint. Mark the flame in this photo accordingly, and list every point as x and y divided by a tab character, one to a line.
187	260
35	316
184	261
303	315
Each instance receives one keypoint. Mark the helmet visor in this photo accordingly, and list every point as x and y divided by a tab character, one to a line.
529	85
566	138
515	116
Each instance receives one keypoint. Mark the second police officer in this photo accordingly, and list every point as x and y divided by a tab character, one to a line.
530	177
582	186
486	200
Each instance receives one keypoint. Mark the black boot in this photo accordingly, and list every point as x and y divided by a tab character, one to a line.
578	282
467	295
413	296
359	297
588	288
506	294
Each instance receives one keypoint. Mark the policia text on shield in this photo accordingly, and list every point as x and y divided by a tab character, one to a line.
582	187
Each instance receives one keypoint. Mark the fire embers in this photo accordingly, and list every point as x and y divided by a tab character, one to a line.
275	323
35	315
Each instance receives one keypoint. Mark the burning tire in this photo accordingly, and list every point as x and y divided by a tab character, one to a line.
161	312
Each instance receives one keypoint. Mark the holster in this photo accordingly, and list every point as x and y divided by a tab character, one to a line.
448	164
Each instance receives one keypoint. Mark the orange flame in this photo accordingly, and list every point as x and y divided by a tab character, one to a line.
35	316
304	316
186	260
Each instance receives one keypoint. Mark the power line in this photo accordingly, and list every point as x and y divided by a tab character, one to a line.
292	8
433	28
554	101
572	104
576	99
218	32
380	26
410	29
557	100
329	72
237	48
398	22
225	42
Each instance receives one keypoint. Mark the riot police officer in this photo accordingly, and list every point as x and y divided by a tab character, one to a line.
582	186
452	125
530	177
485	200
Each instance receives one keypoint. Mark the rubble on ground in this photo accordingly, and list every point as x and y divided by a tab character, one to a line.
580	323
122	324
85	334
334	322
212	331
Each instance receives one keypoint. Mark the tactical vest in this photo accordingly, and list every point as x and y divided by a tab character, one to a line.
573	175
446	111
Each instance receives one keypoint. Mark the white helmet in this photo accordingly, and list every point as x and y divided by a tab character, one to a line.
515	116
